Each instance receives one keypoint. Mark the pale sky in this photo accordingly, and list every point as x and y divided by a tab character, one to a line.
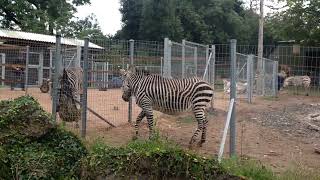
107	13
109	16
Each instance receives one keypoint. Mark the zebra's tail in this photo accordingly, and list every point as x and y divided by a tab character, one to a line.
211	107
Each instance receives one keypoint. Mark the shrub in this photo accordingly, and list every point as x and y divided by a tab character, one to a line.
22	120
52	156
32	147
154	159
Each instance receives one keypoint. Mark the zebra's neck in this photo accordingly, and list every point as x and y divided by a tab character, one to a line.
134	81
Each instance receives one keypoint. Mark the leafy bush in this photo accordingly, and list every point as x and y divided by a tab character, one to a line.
22	120
52	156
154	159
32	147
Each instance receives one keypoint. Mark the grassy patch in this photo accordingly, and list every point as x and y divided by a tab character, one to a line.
248	168
298	172
186	119
152	159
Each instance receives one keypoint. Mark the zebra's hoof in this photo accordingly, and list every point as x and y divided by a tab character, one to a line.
200	143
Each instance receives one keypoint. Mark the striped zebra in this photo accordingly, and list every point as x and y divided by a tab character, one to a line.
298	81
69	95
71	82
170	96
241	87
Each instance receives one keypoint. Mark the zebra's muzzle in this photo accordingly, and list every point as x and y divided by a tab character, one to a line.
125	97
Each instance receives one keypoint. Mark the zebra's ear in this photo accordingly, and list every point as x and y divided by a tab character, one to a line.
122	71
132	69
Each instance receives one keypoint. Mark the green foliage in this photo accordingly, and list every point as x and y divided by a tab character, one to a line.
81	28
31	146
250	169
4	166
199	21
22	119
38	16
153	159
300	22
52	156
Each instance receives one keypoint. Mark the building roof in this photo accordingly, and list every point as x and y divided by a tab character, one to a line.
43	38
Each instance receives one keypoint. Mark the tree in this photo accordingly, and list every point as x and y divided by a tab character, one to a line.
131	11
81	28
40	16
159	20
299	22
203	21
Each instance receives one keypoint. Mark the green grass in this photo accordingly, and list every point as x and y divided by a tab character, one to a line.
186	119
248	168
298	172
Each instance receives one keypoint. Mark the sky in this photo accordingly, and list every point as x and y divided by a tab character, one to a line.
109	16
107	13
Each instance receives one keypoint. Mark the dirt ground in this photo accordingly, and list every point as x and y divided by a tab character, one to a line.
280	132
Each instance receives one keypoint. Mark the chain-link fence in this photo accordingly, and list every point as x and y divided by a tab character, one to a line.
187	59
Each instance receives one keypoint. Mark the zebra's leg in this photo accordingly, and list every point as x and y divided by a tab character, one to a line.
146	106
199	114
149	115
136	126
204	132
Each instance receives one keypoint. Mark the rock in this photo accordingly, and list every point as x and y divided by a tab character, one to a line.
313	127
317	150
314	115
272	153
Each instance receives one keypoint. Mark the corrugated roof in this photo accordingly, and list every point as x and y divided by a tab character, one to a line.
43	38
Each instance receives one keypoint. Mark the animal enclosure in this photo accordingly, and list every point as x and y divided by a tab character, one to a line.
276	127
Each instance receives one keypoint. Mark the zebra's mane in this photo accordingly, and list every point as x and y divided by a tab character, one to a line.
142	72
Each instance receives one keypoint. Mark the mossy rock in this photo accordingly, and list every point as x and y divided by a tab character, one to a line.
23	119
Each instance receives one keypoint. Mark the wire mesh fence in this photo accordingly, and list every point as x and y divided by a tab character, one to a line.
23	66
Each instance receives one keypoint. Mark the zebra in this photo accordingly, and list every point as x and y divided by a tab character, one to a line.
281	77
297	81
69	94
169	96
241	87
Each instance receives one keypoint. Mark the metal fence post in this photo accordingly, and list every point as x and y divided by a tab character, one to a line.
85	89
213	62
27	70
167	58
107	85
56	74
131	41
161	66
207	59
275	79
263	75
3	69
249	77
183	57
195	60
233	49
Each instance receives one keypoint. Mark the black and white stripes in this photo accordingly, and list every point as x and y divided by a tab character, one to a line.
170	96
